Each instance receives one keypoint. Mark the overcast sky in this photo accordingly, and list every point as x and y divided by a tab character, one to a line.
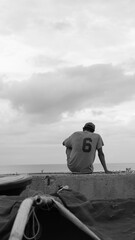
64	63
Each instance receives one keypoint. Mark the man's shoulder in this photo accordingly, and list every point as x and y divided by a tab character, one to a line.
99	139
82	133
77	133
97	135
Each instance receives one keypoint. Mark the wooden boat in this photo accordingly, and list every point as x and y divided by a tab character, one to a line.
72	216
14	184
65	214
43	217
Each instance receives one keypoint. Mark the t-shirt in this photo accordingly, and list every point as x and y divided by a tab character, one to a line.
81	150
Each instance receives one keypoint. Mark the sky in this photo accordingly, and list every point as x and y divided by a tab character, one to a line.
64	63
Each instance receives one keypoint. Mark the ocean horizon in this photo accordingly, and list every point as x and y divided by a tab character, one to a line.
42	168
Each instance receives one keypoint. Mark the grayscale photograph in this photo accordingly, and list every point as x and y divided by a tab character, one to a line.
67	119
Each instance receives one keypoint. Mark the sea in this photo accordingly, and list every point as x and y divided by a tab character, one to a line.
61	168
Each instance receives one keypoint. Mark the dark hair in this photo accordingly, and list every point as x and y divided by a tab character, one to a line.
90	129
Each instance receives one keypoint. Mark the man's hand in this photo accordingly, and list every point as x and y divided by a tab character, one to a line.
108	172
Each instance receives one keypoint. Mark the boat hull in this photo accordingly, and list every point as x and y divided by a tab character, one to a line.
14	184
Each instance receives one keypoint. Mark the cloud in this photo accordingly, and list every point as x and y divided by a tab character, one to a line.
129	65
81	33
18	16
47	61
62	25
47	96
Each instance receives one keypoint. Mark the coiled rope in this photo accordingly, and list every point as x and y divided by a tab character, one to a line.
45	206
35	222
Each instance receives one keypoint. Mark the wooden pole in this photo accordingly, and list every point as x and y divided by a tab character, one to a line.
67	214
20	222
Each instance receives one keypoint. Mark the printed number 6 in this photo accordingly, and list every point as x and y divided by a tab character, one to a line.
86	147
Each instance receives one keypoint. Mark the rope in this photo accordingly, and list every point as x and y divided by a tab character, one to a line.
35	222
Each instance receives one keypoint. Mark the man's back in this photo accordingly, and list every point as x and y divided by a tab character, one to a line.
83	145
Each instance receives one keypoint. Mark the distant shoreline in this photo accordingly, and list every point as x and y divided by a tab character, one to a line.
60	168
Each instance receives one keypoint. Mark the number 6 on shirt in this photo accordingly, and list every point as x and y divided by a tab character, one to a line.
86	147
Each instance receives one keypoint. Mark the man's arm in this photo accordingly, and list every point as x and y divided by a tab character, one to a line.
67	143
102	160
